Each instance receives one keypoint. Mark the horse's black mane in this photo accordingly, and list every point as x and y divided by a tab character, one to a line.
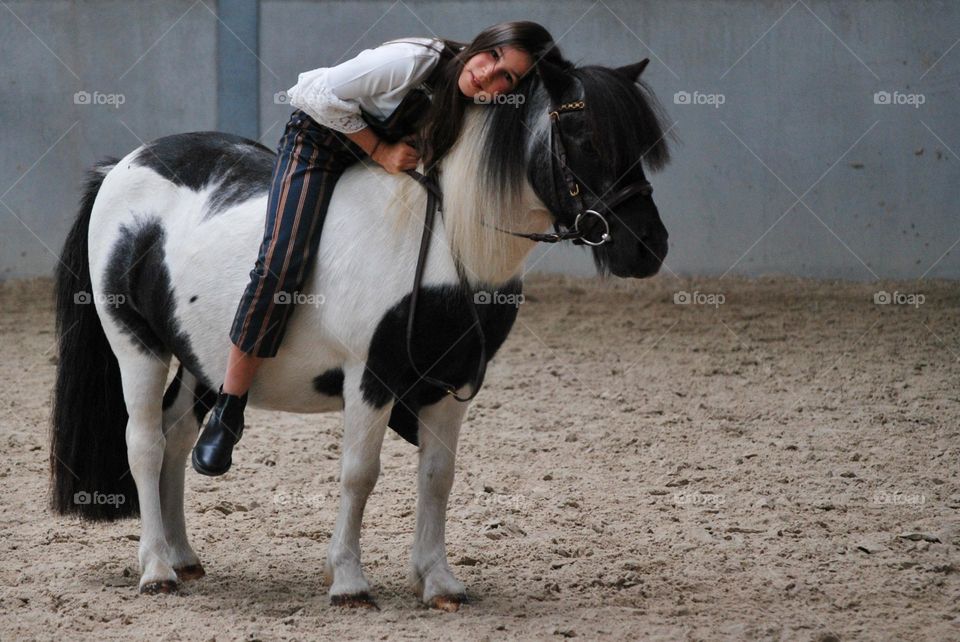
504	154
625	118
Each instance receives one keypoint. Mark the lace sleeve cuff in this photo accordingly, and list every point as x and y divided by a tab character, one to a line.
320	103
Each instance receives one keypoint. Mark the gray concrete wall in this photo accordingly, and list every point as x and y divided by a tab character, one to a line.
151	66
797	83
798	170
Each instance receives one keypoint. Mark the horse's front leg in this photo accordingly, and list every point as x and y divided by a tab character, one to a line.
364	426
431	577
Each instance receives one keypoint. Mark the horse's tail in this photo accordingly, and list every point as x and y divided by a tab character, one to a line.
88	452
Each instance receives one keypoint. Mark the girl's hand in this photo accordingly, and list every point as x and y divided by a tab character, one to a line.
396	157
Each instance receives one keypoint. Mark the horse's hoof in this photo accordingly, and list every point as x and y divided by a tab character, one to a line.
167	587
448	603
356	601
191	572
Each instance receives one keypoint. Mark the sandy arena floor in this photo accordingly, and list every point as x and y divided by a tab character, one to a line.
784	464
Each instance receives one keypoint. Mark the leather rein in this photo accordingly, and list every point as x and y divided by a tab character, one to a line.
574	234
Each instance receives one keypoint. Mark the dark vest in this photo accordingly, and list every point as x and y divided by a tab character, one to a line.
405	119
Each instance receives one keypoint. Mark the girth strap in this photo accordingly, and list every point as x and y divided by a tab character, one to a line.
434	198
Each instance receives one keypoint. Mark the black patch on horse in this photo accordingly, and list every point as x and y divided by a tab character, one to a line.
170	396
403	420
137	279
329	383
242	167
444	346
204	398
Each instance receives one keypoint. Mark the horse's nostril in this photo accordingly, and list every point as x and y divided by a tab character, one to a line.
653	243
653	237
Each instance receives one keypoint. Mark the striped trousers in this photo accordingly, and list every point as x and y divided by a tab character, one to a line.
310	159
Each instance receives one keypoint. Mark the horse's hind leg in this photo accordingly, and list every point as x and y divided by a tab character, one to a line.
364	426
181	422
144	374
430	574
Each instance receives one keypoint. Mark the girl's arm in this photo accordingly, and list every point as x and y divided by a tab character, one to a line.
330	95
366	139
394	157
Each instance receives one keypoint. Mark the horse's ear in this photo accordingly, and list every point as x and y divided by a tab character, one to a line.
555	79
632	72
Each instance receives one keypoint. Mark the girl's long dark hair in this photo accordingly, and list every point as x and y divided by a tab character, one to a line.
441	126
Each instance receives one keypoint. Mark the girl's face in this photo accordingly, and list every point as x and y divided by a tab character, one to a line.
494	72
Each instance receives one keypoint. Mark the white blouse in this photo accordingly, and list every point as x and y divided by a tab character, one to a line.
375	82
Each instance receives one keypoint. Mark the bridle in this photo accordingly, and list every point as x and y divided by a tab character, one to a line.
574	234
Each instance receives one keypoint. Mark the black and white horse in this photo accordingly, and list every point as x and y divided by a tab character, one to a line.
160	252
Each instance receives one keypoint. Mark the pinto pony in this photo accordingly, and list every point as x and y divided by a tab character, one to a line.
158	256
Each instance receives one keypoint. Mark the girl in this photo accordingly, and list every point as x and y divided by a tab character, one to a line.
367	106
